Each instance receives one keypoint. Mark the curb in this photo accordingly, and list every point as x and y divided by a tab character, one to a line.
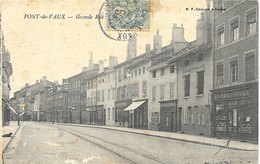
151	135
8	142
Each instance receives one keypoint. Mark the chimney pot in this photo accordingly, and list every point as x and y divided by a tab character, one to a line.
157	43
148	49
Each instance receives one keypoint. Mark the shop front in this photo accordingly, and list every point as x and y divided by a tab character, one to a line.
99	115
121	116
235	112
168	116
138	114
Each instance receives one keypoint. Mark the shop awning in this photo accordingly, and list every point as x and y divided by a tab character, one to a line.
12	109
134	105
22	114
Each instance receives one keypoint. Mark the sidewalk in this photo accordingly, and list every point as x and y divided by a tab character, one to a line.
235	145
12	127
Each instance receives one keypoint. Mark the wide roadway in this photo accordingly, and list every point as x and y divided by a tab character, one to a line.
42	143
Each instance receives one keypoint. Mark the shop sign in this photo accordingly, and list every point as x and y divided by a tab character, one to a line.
233	94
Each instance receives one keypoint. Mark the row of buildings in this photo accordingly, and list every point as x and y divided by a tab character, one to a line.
205	87
6	72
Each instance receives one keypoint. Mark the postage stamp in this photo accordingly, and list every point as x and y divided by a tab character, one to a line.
127	15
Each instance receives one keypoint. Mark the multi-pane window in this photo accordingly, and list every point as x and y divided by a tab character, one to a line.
172	69
153	93
187	85
98	96
220	74
108	94
171	91
251	22
134	91
118	96
234	70
220	36
139	70
123	92
190	115
162	71
113	113
162	92
135	72
234	30
108	114
144	88
143	70
154	74
200	82
113	93
250	66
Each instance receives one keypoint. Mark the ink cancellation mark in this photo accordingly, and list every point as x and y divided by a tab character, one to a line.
114	34
127	15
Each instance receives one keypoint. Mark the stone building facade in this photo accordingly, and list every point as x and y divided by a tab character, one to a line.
235	97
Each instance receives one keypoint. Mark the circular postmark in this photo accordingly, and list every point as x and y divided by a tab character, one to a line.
124	18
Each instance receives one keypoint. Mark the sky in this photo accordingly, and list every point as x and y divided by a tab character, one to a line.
59	48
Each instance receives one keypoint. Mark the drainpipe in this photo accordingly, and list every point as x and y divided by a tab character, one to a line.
213	85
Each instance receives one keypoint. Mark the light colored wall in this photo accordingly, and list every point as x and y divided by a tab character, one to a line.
165	80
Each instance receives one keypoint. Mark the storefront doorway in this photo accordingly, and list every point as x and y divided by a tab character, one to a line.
168	116
235	113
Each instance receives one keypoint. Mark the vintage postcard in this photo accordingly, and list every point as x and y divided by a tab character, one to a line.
129	81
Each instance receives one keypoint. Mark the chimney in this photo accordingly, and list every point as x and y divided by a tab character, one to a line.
201	30
177	34
148	49
101	66
26	84
91	63
131	48
157	43
44	78
84	69
37	81
112	61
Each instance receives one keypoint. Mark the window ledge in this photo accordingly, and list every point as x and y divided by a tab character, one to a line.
234	83
186	97
199	95
236	41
